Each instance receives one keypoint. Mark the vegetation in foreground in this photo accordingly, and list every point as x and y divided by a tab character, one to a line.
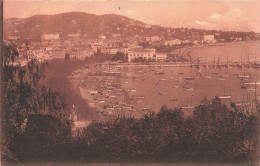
36	128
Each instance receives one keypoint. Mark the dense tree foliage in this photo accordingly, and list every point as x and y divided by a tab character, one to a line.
23	98
215	133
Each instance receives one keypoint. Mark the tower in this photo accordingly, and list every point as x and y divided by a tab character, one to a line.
73	117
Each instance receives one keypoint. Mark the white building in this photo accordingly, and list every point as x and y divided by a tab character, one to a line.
153	38
81	54
48	48
113	51
50	37
161	57
172	42
13	37
109	50
115	35
209	39
73	35
102	37
239	39
141	52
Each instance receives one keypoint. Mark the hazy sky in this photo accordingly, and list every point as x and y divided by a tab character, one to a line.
238	15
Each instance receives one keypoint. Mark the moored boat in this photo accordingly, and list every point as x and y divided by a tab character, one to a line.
224	97
243	76
187	107
190	78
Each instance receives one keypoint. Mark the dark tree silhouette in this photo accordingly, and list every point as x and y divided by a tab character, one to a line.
24	96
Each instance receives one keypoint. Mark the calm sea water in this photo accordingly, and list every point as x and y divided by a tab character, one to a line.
235	52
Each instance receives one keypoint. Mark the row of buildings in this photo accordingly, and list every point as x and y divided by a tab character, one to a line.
52	47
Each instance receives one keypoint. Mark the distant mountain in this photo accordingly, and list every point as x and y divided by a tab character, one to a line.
89	25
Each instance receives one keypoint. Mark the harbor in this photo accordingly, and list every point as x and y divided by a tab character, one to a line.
133	91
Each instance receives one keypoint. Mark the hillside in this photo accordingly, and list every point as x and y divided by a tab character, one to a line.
88	25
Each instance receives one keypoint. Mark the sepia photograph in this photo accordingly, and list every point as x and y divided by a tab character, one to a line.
135	82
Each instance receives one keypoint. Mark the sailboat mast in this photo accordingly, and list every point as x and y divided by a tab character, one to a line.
241	59
191	100
109	66
227	61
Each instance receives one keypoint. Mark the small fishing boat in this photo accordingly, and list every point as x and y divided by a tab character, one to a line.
187	107
139	97
102	101
224	96
127	107
109	108
242	104
163	93
243	76
208	77
219	66
185	87
190	78
158	73
250	89
252	83
243	86
112	72
255	65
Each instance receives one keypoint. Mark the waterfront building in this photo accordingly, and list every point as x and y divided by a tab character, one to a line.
102	37
116	35
141	52
153	38
13	37
209	39
172	42
50	37
160	57
73	35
